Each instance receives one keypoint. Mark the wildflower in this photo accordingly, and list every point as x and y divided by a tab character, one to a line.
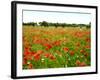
57	43
52	57
82	64
87	39
71	53
78	62
36	56
30	66
48	46
78	44
86	54
48	55
66	49
82	51
88	46
39	52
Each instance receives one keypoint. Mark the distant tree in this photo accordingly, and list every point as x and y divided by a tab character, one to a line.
44	23
56	24
63	24
73	25
34	24
30	24
81	25
89	25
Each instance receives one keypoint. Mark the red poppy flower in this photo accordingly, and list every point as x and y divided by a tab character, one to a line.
26	53
82	64
39	52
30	66
78	44
46	39
66	49
52	57
88	46
24	61
32	52
37	41
71	53
82	51
48	46
28	57
87	39
78	62
37	56
48	55
86	54
57	43
78	34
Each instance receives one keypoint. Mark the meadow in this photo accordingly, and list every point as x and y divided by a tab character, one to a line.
56	47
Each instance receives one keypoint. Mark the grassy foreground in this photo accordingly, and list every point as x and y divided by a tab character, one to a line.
51	47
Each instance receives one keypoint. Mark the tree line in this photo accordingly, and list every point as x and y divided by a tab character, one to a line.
47	24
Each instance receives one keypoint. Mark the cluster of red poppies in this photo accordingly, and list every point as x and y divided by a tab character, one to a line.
49	48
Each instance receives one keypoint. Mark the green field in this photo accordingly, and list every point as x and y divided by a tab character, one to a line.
56	47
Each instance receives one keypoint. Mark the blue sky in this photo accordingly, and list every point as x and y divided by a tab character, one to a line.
66	17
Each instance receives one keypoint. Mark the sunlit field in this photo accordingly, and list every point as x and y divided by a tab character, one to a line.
56	47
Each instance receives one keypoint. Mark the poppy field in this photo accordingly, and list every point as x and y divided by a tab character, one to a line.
56	47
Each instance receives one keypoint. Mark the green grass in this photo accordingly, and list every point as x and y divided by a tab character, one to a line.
43	39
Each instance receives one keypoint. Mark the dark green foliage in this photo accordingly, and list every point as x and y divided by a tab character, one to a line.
89	25
46	24
30	23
